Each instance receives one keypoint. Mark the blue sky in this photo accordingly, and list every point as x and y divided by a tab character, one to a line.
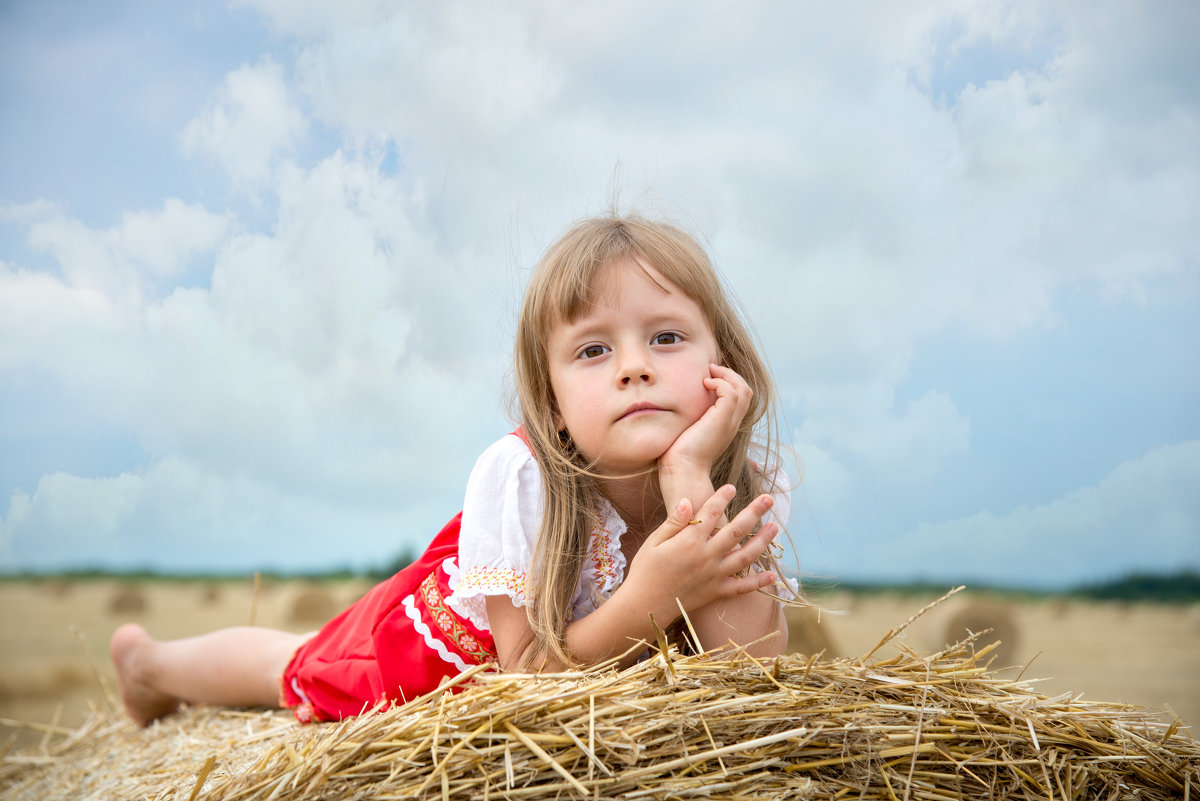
259	261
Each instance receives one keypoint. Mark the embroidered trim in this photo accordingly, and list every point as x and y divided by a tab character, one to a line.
437	645
601	550
494	580
448	623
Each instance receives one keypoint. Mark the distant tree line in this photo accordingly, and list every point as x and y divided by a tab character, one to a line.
1179	587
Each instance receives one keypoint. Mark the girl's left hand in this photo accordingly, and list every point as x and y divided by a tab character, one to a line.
701	443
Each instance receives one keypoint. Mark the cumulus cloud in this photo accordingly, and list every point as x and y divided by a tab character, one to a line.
1143	515
446	77
144	253
251	123
904	446
869	180
284	388
179	515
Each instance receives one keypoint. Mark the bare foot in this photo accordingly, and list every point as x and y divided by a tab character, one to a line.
130	648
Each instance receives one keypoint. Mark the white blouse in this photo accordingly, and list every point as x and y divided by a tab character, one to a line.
502	514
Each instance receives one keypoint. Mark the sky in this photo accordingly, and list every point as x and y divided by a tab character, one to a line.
259	266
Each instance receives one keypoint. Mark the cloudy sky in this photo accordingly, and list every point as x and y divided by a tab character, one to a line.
259	263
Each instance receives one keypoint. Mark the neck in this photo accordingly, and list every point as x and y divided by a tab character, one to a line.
637	499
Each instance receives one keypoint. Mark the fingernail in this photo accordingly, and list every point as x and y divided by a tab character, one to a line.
679	507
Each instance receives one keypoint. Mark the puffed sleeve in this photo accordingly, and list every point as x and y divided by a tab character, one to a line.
502	511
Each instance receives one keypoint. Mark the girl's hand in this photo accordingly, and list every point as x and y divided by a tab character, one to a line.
697	562
698	447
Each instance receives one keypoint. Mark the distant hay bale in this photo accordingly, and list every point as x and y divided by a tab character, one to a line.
40	682
210	594
993	617
58	588
807	632
127	600
312	606
718	725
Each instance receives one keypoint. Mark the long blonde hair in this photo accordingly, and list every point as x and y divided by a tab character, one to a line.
562	288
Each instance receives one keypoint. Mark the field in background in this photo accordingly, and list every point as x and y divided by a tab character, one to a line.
1145	654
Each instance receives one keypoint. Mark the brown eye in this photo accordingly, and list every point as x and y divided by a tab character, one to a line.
667	338
592	351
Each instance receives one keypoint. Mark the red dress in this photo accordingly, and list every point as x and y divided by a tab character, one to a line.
397	642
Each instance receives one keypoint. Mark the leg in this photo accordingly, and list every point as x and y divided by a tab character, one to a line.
230	667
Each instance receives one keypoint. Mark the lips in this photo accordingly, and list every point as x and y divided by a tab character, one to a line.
638	408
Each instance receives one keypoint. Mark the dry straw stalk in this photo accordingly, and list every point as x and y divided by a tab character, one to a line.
716	725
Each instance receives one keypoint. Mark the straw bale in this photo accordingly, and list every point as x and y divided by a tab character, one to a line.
994	622
715	725
312	606
127	600
807	632
210	594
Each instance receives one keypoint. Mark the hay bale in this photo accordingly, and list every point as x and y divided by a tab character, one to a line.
312	606
993	622
127	600
711	725
807	632
58	588
42	681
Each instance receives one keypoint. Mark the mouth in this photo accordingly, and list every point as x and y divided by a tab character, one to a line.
638	409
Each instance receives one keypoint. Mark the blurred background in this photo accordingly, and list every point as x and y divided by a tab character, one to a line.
259	263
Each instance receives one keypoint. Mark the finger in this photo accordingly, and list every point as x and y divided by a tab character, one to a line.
751	582
741	526
720	373
677	520
713	510
743	556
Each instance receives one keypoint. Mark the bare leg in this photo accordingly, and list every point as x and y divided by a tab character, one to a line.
230	667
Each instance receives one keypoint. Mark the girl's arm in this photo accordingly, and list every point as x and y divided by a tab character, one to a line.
684	473
693	563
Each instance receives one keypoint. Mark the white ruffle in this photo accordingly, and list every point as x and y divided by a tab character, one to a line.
410	609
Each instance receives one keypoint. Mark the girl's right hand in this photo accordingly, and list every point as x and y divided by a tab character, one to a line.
698	562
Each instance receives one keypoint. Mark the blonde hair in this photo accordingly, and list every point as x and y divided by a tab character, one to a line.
562	288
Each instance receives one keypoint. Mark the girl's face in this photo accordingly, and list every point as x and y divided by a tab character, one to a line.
628	372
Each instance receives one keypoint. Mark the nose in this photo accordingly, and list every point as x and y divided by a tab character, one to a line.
635	367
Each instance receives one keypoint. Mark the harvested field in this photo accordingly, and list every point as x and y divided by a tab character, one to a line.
862	720
722	725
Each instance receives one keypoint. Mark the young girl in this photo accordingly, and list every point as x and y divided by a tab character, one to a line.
631	492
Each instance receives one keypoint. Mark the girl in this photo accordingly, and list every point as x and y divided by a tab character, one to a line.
628	495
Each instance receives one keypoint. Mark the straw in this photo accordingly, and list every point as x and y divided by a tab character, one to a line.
715	725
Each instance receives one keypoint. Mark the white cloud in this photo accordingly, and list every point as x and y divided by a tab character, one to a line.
144	253
251	123
446	76
180	515
1144	515
349	345
902	446
326	365
315	18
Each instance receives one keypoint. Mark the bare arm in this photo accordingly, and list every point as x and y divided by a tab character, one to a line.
694	564
684	473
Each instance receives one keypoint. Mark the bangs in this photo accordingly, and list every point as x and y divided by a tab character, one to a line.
582	258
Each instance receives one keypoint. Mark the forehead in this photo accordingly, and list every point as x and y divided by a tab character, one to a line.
611	283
